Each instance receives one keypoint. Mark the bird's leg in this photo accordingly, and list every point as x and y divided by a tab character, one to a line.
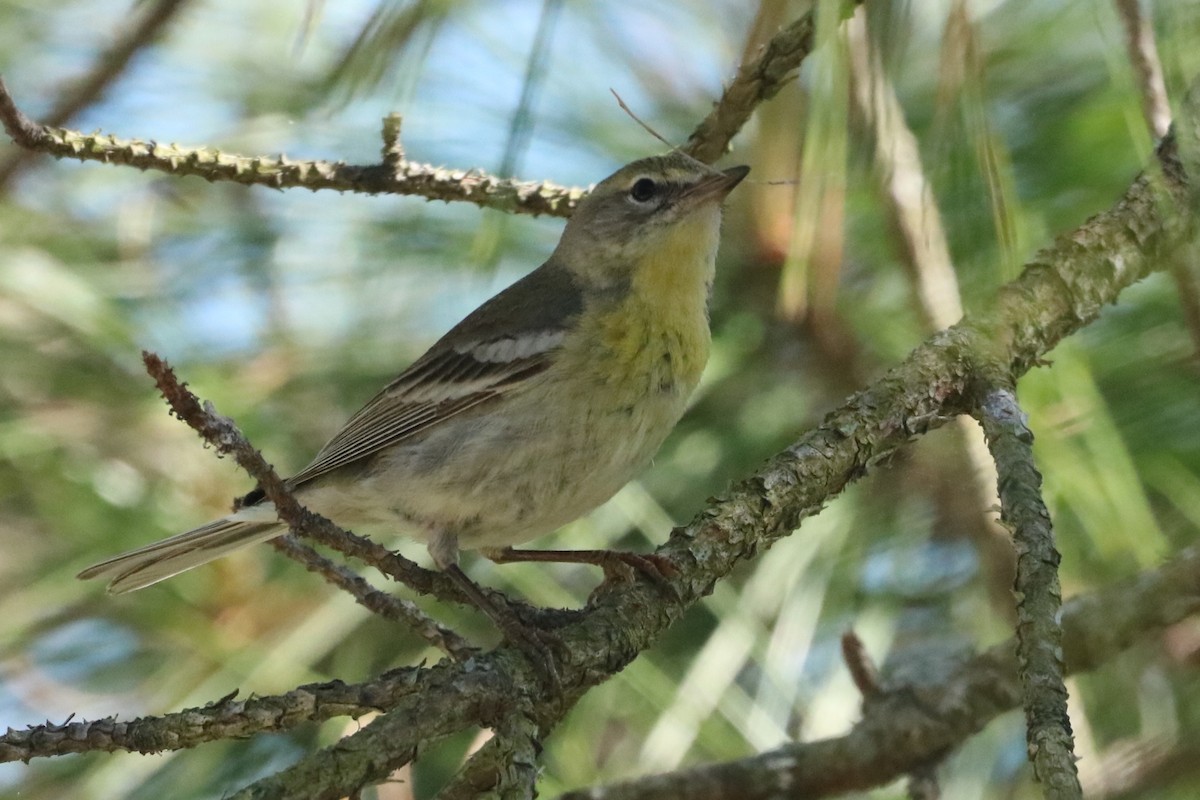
532	641
656	568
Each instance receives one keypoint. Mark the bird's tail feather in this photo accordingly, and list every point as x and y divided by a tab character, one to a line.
147	565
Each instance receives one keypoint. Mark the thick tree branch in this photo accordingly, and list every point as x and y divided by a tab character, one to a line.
1062	289
1096	627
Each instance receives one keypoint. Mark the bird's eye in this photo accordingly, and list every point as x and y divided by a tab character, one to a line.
643	190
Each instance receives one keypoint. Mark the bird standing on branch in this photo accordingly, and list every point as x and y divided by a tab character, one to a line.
529	413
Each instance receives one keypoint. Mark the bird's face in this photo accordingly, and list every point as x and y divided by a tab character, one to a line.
664	208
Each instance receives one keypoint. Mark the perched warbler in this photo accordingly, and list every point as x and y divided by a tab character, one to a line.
530	412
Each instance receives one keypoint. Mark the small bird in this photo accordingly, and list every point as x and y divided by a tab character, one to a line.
533	410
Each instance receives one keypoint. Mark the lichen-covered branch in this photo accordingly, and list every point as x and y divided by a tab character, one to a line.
387	743
1063	289
909	725
226	718
395	176
1039	596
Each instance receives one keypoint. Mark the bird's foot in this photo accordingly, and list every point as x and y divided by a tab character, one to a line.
539	646
615	563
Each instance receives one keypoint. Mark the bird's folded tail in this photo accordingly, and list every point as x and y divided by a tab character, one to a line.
140	568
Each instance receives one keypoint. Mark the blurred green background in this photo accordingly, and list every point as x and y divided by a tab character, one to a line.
289	309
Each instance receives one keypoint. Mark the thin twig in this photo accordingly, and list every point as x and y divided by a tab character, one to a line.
392	152
625	107
922	780
393	176
1039	634
861	666
223	435
230	717
756	82
385	605
1143	56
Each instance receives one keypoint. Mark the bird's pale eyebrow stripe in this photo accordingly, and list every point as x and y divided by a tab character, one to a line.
513	348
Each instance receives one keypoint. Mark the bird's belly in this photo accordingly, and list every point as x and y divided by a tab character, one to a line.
512	475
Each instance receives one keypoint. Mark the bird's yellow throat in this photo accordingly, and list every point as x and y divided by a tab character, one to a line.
665	316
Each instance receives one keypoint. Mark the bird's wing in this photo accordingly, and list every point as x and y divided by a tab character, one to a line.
442	384
500	346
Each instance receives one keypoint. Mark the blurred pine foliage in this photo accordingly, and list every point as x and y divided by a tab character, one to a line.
289	309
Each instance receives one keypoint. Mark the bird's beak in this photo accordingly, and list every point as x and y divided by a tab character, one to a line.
717	185
734	175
